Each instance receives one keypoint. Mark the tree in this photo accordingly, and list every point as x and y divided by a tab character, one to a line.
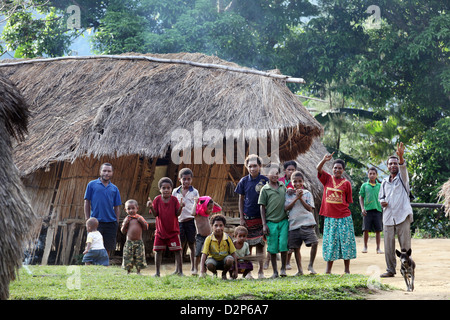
31	37
36	28
402	66
430	161
245	32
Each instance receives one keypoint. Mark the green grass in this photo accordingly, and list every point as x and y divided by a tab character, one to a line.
112	283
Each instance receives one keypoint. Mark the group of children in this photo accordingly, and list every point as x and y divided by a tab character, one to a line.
275	210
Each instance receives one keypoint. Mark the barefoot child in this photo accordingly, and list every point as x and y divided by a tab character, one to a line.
275	220
242	251
371	208
166	209
301	222
187	224
289	168
95	252
202	210
132	226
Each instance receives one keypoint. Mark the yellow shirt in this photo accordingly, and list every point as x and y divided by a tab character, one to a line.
218	251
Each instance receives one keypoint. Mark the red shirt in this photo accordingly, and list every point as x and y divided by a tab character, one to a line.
337	195
166	220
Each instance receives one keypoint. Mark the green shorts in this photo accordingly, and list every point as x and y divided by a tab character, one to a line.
277	239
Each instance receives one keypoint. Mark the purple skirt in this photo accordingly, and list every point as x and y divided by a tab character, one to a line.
243	266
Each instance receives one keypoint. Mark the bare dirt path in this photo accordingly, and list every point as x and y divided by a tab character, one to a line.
432	257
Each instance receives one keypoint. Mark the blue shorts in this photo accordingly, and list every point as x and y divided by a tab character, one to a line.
99	257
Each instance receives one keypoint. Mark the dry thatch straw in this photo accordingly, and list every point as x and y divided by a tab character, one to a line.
445	193
16	216
121	107
13	109
275	75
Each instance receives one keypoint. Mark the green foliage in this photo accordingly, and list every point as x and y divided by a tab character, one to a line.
112	283
429	161
401	67
245	32
31	36
430	223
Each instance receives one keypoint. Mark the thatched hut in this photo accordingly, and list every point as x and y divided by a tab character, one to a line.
86	112
16	215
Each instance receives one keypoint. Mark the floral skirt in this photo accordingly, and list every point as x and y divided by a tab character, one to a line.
338	239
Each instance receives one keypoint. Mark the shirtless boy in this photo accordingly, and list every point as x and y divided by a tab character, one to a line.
134	250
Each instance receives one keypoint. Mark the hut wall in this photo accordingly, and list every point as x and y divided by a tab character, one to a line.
209	180
57	196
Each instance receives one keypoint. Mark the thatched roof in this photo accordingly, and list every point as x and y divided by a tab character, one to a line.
13	109
16	216
121	107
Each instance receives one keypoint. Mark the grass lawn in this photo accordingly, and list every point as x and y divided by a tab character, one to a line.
112	283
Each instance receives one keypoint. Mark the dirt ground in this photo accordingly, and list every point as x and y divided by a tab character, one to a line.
432	257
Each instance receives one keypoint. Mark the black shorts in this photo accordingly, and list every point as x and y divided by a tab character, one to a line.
373	221
109	234
188	231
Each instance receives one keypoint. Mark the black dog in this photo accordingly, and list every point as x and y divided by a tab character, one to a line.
407	268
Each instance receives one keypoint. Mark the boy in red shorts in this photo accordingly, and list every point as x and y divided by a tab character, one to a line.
166	209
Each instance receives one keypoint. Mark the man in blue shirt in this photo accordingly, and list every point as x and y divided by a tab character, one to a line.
102	201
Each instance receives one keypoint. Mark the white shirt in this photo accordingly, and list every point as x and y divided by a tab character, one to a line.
96	239
188	200
242	252
397	197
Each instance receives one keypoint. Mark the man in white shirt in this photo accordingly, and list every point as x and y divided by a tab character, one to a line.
397	210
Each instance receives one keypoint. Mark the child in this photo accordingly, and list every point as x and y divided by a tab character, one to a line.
338	233
187	225
301	222
95	252
249	188
202	212
275	220
134	249
371	208
242	251
289	167
166	209
218	250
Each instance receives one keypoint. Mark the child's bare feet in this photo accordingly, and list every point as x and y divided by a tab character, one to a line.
311	270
